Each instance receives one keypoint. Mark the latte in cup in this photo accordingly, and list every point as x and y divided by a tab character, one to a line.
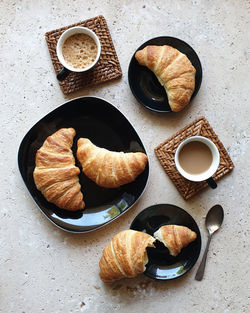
79	51
195	157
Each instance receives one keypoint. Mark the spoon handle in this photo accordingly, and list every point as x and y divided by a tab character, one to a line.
200	271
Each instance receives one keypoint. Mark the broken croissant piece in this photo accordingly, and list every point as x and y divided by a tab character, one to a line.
55	174
175	237
125	255
107	168
173	70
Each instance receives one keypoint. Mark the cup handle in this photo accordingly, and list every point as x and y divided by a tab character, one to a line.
211	183
62	74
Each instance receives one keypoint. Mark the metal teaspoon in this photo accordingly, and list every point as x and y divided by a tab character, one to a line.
213	222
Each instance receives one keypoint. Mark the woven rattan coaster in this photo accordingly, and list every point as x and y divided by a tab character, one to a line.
108	66
166	151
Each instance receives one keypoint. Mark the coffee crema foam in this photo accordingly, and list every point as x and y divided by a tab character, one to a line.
79	51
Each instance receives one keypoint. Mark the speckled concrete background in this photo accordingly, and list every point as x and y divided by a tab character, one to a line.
43	269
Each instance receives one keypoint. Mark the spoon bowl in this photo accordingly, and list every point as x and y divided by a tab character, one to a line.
214	218
213	222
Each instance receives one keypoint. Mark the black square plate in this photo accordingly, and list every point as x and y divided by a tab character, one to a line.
144	84
162	265
105	126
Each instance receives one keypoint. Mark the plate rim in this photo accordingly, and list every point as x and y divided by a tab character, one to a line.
133	57
198	237
40	209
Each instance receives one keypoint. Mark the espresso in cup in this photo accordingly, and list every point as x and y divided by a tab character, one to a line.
197	159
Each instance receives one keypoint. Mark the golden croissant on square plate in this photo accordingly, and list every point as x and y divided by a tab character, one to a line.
173	70
125	255
175	237
55	174
109	169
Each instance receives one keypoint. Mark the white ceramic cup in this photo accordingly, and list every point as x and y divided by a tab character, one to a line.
206	175
65	71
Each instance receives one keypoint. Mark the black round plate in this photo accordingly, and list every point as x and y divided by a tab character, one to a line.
161	265
144	84
107	127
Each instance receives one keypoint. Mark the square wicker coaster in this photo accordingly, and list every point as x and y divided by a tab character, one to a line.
108	66
166	151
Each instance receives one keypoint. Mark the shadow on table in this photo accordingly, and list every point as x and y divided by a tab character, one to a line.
143	287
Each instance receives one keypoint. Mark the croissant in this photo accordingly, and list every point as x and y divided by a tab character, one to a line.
55	174
173	70
125	255
107	168
175	237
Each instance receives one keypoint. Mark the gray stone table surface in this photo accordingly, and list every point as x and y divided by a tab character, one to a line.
44	269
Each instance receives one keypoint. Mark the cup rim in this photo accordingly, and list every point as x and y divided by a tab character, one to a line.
70	32
212	169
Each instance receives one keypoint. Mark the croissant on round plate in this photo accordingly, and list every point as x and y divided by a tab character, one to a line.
125	255
175	237
108	168
173	70
55	174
